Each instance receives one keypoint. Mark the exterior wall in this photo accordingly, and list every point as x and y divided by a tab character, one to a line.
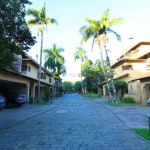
14	82
145	88
140	91
33	72
28	84
33	69
134	90
14	78
142	49
139	69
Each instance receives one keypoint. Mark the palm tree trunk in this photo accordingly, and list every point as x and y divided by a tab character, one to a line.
39	77
111	77
53	85
104	71
81	80
58	85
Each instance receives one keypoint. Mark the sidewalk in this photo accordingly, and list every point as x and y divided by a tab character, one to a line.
11	117
132	116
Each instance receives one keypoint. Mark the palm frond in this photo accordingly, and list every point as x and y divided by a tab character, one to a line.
93	42
48	21
43	11
115	21
32	22
54	21
87	32
116	34
33	12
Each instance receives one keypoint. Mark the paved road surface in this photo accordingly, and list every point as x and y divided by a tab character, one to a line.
74	123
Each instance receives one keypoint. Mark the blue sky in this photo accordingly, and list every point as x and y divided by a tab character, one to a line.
71	17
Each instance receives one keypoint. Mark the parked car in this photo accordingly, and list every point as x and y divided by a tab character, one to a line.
2	101
148	101
14	98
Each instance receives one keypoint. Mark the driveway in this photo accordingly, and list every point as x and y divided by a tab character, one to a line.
73	123
132	116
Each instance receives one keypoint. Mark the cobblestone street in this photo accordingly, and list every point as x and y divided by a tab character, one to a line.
73	123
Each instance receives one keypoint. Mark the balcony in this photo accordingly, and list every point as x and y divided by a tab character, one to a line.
17	63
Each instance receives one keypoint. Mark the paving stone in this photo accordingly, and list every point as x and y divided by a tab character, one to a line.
78	124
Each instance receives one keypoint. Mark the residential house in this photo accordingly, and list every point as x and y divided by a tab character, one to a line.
133	67
26	79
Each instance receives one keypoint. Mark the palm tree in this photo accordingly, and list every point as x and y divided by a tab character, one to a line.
40	19
96	29
53	60
81	55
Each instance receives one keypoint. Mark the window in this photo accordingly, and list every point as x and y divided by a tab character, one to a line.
127	67
26	68
50	79
43	76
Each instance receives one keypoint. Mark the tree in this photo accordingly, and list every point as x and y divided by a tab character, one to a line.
46	93
40	19
120	85
15	36
96	29
61	88
93	76
78	86
81	55
53	59
69	87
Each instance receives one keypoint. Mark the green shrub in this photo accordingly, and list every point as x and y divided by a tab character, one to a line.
46	93
92	95
30	99
128	100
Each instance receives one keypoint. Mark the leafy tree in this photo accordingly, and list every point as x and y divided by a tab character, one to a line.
81	55
69	87
54	60
46	93
78	86
61	88
40	19
61	69
98	30
15	36
120	86
93	75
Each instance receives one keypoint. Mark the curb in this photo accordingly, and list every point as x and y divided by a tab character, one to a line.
127	125
122	122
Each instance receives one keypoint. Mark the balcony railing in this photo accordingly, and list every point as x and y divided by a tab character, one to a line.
17	63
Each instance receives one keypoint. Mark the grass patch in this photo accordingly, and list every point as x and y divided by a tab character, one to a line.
92	95
121	104
144	133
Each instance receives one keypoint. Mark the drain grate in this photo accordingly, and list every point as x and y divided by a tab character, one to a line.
92	104
61	112
39	122
71	104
